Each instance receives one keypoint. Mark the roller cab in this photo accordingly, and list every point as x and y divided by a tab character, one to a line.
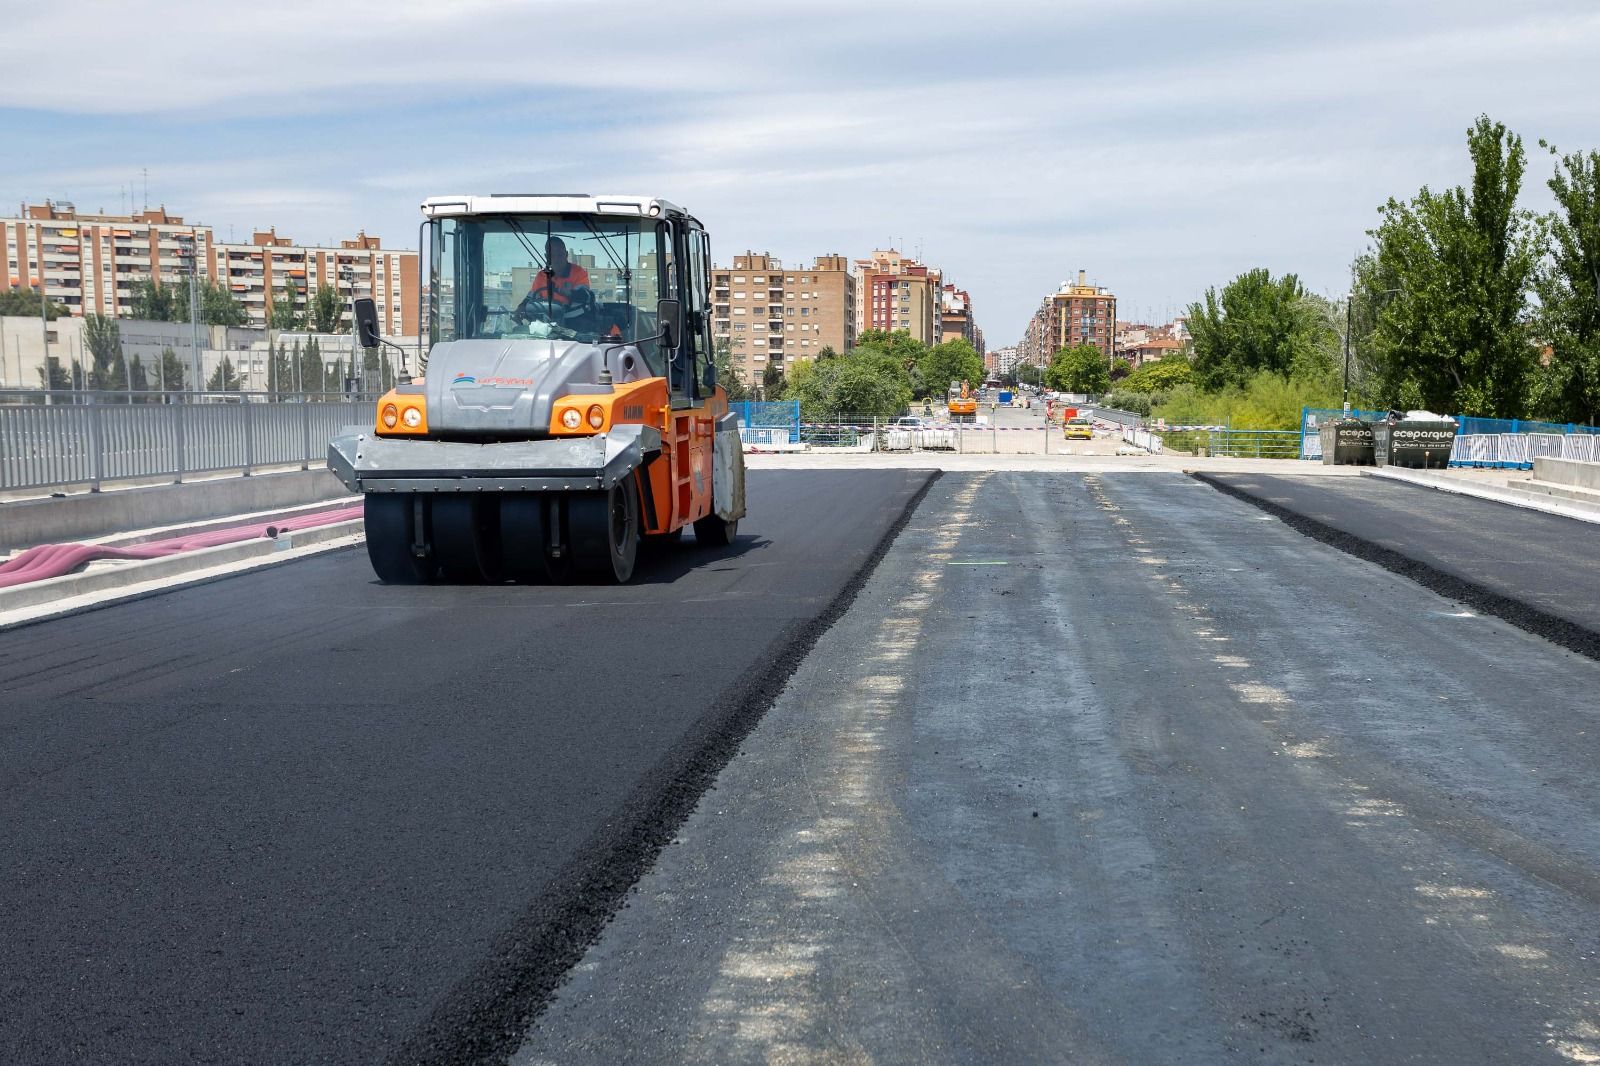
568	409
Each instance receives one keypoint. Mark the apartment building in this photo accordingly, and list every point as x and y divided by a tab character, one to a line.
773	315
1072	315
93	263
955	316
273	266
898	293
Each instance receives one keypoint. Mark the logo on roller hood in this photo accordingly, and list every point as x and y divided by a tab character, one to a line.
503	383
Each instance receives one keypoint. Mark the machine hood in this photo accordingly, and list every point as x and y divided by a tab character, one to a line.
510	385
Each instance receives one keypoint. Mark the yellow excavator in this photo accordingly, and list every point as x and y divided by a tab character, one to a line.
569	407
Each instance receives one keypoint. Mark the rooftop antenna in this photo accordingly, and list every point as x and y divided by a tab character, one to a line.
146	172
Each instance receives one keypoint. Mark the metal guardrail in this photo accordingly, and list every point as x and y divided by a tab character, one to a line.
1237	443
61	439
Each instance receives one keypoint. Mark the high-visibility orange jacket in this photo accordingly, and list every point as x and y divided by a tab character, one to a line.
564	284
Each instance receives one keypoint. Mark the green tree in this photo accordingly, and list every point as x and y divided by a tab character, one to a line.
949	361
861	384
1163	376
1028	374
905	350
104	338
1568	387
52	376
170	373
1081	368
827	352
1454	339
773	385
283	312
218	307
224	378
1259	323
280	371
727	375
325	310
138	377
25	302
154	302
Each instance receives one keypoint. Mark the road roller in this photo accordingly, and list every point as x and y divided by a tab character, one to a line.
568	407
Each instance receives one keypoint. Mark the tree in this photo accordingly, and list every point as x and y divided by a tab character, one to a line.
283	312
1568	387
727	375
52	376
1454	339
861	384
218	306
903	349
138	377
280	371
25	303
1163	376
104	338
170	372
1120	368
325	309
827	352
224	378
309	362
1081	368
154	302
1259	323
773	385
1028	374
947	362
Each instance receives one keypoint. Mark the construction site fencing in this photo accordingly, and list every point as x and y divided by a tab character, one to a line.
848	433
768	423
64	439
1517	451
1510	443
1143	438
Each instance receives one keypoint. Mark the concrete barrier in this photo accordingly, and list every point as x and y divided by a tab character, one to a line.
1567	472
25	523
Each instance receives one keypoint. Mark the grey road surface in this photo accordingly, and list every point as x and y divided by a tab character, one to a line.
1121	769
296	816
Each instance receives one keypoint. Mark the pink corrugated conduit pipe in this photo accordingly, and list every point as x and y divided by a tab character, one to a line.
54	560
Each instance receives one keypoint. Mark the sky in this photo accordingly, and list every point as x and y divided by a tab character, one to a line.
1162	146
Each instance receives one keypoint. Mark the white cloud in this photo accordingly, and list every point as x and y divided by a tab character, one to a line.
1161	145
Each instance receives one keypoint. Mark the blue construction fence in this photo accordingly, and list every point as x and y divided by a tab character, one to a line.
768	422
1496	442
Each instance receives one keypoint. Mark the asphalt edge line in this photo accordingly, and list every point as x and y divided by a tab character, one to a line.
531	960
1567	634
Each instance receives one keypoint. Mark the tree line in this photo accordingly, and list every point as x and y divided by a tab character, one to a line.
1463	303
881	377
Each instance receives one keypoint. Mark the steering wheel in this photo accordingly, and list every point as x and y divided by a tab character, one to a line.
533	308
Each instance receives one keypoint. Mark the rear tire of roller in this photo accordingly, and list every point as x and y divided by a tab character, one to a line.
716	532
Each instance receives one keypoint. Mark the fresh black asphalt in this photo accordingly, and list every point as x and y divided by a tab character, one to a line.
1536	570
296	816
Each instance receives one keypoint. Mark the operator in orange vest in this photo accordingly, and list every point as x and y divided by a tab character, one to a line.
560	276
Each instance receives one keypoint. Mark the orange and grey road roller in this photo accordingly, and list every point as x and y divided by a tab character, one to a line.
568	408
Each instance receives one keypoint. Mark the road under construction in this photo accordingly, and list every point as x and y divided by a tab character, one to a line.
984	766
